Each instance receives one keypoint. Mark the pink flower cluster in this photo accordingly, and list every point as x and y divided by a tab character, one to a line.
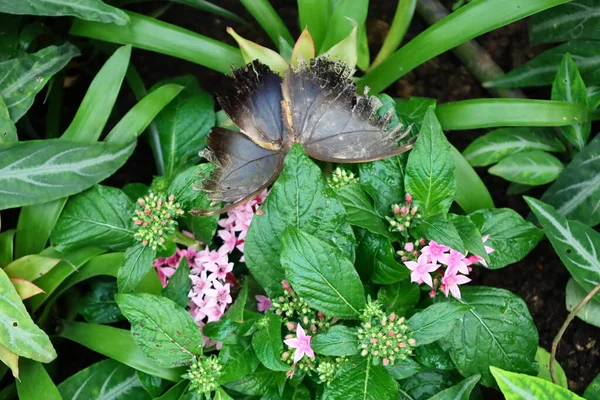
451	265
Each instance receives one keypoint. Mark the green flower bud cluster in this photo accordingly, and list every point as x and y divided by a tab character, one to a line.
340	178
403	216
328	368
204	374
155	219
294	309
306	364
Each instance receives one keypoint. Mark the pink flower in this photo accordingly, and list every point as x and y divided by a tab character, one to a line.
264	303
450	283
200	283
229	240
301	344
220	270
206	259
410	246
456	262
220	292
434	251
488	249
421	270
214	313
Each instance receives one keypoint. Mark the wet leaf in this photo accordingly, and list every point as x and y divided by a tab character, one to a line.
529	168
524	387
138	261
360	379
91	10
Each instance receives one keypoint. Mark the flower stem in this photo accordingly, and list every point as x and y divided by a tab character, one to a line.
564	327
470	53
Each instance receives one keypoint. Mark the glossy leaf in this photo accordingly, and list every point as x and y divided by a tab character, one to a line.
314	16
238	360
202	5
339	340
99	305
268	344
590	312
253	51
375	259
360	209
471	193
568	86
179	285
498	331
8	131
321	274
460	391
59	168
138	261
23	77
93	10
339	25
542	69
533	168
18	332
35	225
593	390
346	50
500	143
511	237
104	380
165	332
225	331
426	383
403	369
399	297
433	356
269	20
360	379
299	198
99	216
25	289
383	180
579	19
576	244
35	382
261	382
542	357
178	391
524	387
430	169
576	192
6	247
439	229
154	385
436	321
469	234
30	267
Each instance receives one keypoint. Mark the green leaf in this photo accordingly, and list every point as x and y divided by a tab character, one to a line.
413	110
6	247
500	143
497	331
359	208
220	394
568	86
268	344
224	330
593	390
576	20
511	237
471	192
360	379
183	186
436	321
8	131
35	225
399	297
300	198
238	360
269	20
314	15
321	274
99	216
375	259
104	380
138	261
533	168
18	332
35	383
524	387
426	383
469	234
439	229
433	356
430	169
339	340
179	285
31	267
99	305
299	392
165	332
384	181
184	124
154	385
178	391
261	382
542	357
590	312
23	77
576	244
237	309
59	168
460	391
576	192
403	369
542	69
93	10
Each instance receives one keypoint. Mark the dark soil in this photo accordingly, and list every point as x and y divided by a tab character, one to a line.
539	279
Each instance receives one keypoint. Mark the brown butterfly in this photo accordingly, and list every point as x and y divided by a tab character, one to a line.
314	105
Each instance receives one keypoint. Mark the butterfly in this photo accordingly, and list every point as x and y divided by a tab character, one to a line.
315	105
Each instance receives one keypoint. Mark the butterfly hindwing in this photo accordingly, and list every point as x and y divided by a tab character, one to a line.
333	124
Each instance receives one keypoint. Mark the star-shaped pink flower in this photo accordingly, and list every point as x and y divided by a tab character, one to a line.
301	343
220	292
421	270
264	303
450	283
229	240
456	261
435	251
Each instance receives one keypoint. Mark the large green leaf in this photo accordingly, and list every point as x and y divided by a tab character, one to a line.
426	383
99	216
511	237
164	331
7	240
105	380
542	357
8	131
436	321
533	168
498	331
238	359
576	192
399	297
579	19
261	382
460	391
299	198
568	86
430	169
179	284
375	259
469	234
497	144
438	228
321	274
590	312
542	70
99	305
360	379
360	209
23	77
184	124
339	340
38	171
18	332
576	244
524	387
138	261
268	345
93	10
384	181
35	383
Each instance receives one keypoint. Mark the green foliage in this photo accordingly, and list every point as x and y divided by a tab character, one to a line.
460	391
99	305
93	10
590	311
337	341
360	377
436	321
138	261
519	386
529	168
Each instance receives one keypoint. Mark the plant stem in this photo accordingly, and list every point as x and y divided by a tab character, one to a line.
470	53
564	327
404	15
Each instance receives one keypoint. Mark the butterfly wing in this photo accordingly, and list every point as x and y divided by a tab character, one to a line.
242	169
255	104
331	122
